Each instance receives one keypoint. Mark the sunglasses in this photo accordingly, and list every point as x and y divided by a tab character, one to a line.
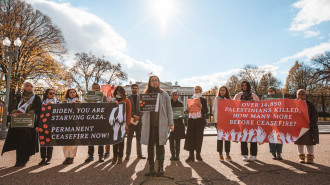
51	93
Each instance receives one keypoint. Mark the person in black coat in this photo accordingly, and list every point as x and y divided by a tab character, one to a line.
195	130
179	129
311	137
24	140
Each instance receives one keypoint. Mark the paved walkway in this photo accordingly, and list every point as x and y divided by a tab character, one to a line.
210	171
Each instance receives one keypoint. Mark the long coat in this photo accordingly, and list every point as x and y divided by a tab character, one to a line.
165	120
25	138
179	129
311	137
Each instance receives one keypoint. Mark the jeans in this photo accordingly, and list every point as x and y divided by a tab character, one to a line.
275	148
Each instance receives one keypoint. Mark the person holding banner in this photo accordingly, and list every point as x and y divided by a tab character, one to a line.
118	149
136	124
156	125
96	87
70	152
179	129
223	93
24	139
195	130
311	137
247	95
275	148
46	152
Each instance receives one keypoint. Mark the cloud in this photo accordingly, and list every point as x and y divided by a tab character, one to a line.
308	52
84	32
220	78
309	34
312	12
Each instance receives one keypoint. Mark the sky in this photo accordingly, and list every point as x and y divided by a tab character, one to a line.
194	42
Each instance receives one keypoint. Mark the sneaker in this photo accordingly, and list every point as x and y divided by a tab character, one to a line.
245	158
228	158
172	158
42	162
177	158
252	158
89	159
47	162
279	157
66	161
141	157
274	156
221	158
106	155
120	160
70	160
127	158
101	159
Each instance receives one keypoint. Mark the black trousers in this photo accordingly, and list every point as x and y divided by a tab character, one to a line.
137	129
118	149
100	150
253	148
175	146
194	136
160	149
46	152
220	147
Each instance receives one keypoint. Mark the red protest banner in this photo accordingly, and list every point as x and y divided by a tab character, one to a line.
270	121
107	91
194	109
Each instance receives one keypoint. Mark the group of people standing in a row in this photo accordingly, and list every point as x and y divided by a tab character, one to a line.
151	128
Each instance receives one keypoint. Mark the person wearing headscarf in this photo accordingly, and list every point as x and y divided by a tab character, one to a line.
46	152
247	95
179	129
223	93
195	129
311	137
24	139
70	152
155	127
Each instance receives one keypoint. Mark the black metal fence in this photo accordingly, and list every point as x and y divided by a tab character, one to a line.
321	102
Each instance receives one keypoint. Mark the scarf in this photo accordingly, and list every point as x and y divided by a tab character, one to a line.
69	100
25	102
46	101
247	96
197	96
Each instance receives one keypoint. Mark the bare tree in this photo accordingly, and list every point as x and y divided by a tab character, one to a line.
233	84
42	41
322	64
252	74
266	81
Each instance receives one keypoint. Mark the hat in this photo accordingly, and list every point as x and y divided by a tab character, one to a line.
175	91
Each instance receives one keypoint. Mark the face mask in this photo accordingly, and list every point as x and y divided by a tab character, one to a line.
118	96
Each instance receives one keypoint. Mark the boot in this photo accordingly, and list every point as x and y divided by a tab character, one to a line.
301	158
172	157
310	159
160	171
120	160
190	158
151	171
114	160
42	161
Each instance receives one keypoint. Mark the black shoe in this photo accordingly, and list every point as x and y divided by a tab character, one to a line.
199	158
172	158
279	157
42	162
89	159
151	171
141	157
106	155
47	162
160	172
127	158
274	156
101	159
66	161
19	164
177	158
190	159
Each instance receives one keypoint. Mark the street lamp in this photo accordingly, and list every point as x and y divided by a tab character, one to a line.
8	56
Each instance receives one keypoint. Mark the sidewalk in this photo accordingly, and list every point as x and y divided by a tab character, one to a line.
210	171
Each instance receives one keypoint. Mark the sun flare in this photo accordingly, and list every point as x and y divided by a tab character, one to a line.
164	10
